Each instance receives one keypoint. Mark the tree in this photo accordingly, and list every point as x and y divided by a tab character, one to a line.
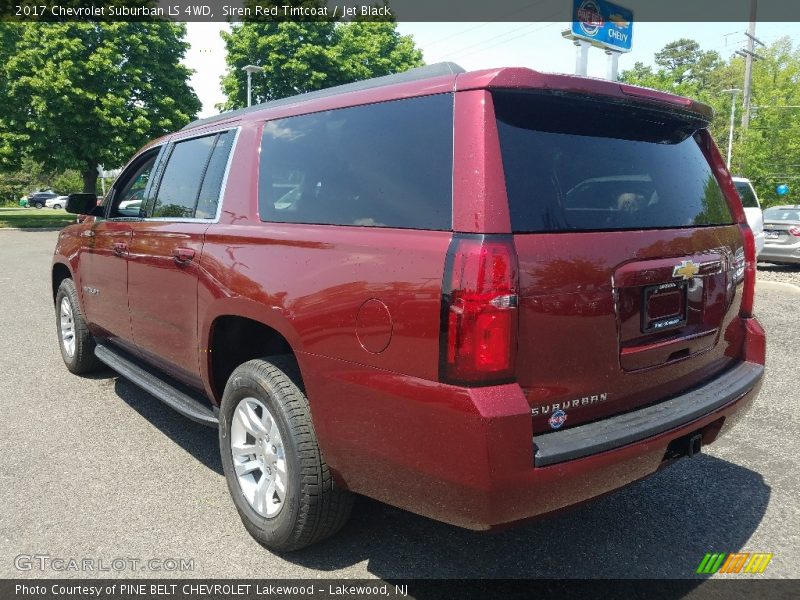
80	94
768	152
301	57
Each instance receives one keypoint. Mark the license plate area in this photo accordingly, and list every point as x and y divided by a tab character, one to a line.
664	307
772	235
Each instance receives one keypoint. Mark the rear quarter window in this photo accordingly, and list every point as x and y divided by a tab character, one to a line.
746	194
578	165
379	165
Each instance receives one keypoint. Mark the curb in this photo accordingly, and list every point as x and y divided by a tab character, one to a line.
780	285
31	228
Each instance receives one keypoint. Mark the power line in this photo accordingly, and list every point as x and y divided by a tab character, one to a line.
500	18
481	46
458	33
487	40
510	39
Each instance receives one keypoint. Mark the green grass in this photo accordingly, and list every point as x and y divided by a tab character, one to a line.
34	218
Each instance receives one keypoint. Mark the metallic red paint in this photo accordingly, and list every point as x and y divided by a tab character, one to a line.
388	428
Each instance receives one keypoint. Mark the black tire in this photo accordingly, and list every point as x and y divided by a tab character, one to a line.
56	207
82	360
314	506
39	204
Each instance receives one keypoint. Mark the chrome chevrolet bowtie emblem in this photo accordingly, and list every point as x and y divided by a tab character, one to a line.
687	269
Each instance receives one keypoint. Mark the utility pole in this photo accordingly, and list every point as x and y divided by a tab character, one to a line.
732	92
749	55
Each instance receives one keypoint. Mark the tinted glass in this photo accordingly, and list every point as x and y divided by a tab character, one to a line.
381	165
746	194
578	165
128	202
782	214
180	184
212	182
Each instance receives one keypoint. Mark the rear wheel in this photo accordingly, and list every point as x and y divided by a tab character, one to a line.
273	465
39	204
76	343
56	207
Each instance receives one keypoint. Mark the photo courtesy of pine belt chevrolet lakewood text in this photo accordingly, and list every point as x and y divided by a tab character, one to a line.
480	297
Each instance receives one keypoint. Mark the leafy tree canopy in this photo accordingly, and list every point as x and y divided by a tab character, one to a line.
79	94
768	152
300	57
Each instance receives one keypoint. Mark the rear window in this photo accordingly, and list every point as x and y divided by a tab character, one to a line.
581	165
782	214
379	165
746	194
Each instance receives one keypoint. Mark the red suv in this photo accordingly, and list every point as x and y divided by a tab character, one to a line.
480	297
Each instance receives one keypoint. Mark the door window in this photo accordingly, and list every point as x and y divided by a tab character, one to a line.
191	184
128	202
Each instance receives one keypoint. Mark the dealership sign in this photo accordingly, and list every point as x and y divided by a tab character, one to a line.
603	24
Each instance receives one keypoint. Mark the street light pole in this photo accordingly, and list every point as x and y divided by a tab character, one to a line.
250	69
732	92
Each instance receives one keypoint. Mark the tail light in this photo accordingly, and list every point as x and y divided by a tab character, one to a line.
749	287
794	230
479	310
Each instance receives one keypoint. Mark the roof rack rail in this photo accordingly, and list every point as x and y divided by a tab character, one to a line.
426	72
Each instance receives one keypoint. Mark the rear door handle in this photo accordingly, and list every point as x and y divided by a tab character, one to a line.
183	255
120	248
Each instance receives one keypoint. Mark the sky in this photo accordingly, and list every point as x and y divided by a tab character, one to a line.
475	46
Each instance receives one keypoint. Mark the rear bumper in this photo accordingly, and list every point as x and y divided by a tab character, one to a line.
628	428
781	253
466	456
760	240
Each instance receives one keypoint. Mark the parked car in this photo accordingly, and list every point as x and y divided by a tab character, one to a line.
398	288
57	203
39	199
752	209
130	207
782	231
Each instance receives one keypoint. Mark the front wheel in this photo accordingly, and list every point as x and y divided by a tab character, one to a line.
76	343
56	207
273	465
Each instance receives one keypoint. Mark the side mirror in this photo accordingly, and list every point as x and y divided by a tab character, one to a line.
82	204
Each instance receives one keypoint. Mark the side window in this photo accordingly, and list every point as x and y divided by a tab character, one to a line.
381	165
192	180
128	201
183	175
212	182
746	194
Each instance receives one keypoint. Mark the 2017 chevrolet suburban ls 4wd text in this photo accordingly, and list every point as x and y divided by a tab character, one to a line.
477	296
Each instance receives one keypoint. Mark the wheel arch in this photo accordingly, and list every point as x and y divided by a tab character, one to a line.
59	273
237	332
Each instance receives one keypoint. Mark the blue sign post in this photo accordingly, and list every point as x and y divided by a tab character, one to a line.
603	24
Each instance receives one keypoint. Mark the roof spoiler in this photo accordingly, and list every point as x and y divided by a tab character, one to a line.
426	72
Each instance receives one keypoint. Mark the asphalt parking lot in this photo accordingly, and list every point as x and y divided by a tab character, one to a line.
95	468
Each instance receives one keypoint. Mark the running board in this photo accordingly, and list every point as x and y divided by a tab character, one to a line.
156	386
